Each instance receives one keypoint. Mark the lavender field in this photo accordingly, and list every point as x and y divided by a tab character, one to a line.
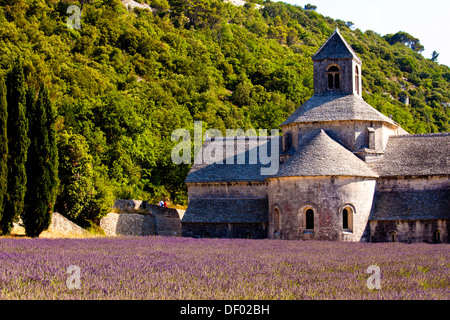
183	268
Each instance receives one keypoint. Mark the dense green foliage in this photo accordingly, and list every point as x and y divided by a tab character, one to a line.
18	142
42	164
124	81
3	144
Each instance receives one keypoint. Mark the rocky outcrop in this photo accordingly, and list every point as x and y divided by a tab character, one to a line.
130	5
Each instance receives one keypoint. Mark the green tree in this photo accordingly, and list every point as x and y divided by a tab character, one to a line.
18	143
310	7
126	80
3	145
42	174
434	56
406	39
407	64
76	175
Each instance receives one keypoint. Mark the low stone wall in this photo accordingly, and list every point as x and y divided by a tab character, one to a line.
61	224
138	218
128	224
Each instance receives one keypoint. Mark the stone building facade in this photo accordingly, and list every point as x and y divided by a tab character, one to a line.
346	172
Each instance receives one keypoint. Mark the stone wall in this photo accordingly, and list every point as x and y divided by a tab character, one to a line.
420	226
226	226
346	68
425	183
231	190
430	231
327	197
131	224
225	230
63	226
354	135
59	227
139	218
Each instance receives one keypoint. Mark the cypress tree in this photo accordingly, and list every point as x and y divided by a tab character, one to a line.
3	145
53	153
41	166
18	142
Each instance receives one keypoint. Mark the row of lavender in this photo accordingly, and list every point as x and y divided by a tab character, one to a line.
182	268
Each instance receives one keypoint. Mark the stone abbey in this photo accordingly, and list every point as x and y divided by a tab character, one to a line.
346	172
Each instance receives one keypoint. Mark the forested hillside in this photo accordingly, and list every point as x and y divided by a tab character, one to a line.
124	81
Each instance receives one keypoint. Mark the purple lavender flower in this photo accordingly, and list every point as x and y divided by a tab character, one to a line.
185	268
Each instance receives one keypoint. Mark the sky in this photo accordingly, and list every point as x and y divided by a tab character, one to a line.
429	21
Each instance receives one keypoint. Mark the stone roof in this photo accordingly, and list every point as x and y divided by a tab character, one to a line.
336	48
234	172
227	211
411	205
319	155
332	107
415	155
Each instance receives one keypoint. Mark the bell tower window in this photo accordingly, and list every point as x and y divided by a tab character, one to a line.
357	80
334	78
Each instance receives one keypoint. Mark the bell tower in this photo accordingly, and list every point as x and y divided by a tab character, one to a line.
337	68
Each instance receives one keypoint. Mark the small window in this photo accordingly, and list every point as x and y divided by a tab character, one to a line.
309	219
207	235
345	219
392	236
437	236
371	138
337	81
330	81
248	235
276	221
287	141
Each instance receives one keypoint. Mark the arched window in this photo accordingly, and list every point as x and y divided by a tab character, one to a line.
276	221
347	219
392	236
309	219
334	78
357	80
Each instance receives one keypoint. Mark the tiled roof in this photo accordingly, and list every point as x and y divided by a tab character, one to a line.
227	211
335	48
234	172
332	107
413	155
319	155
411	205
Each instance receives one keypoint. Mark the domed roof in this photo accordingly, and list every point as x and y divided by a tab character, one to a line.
319	155
334	107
